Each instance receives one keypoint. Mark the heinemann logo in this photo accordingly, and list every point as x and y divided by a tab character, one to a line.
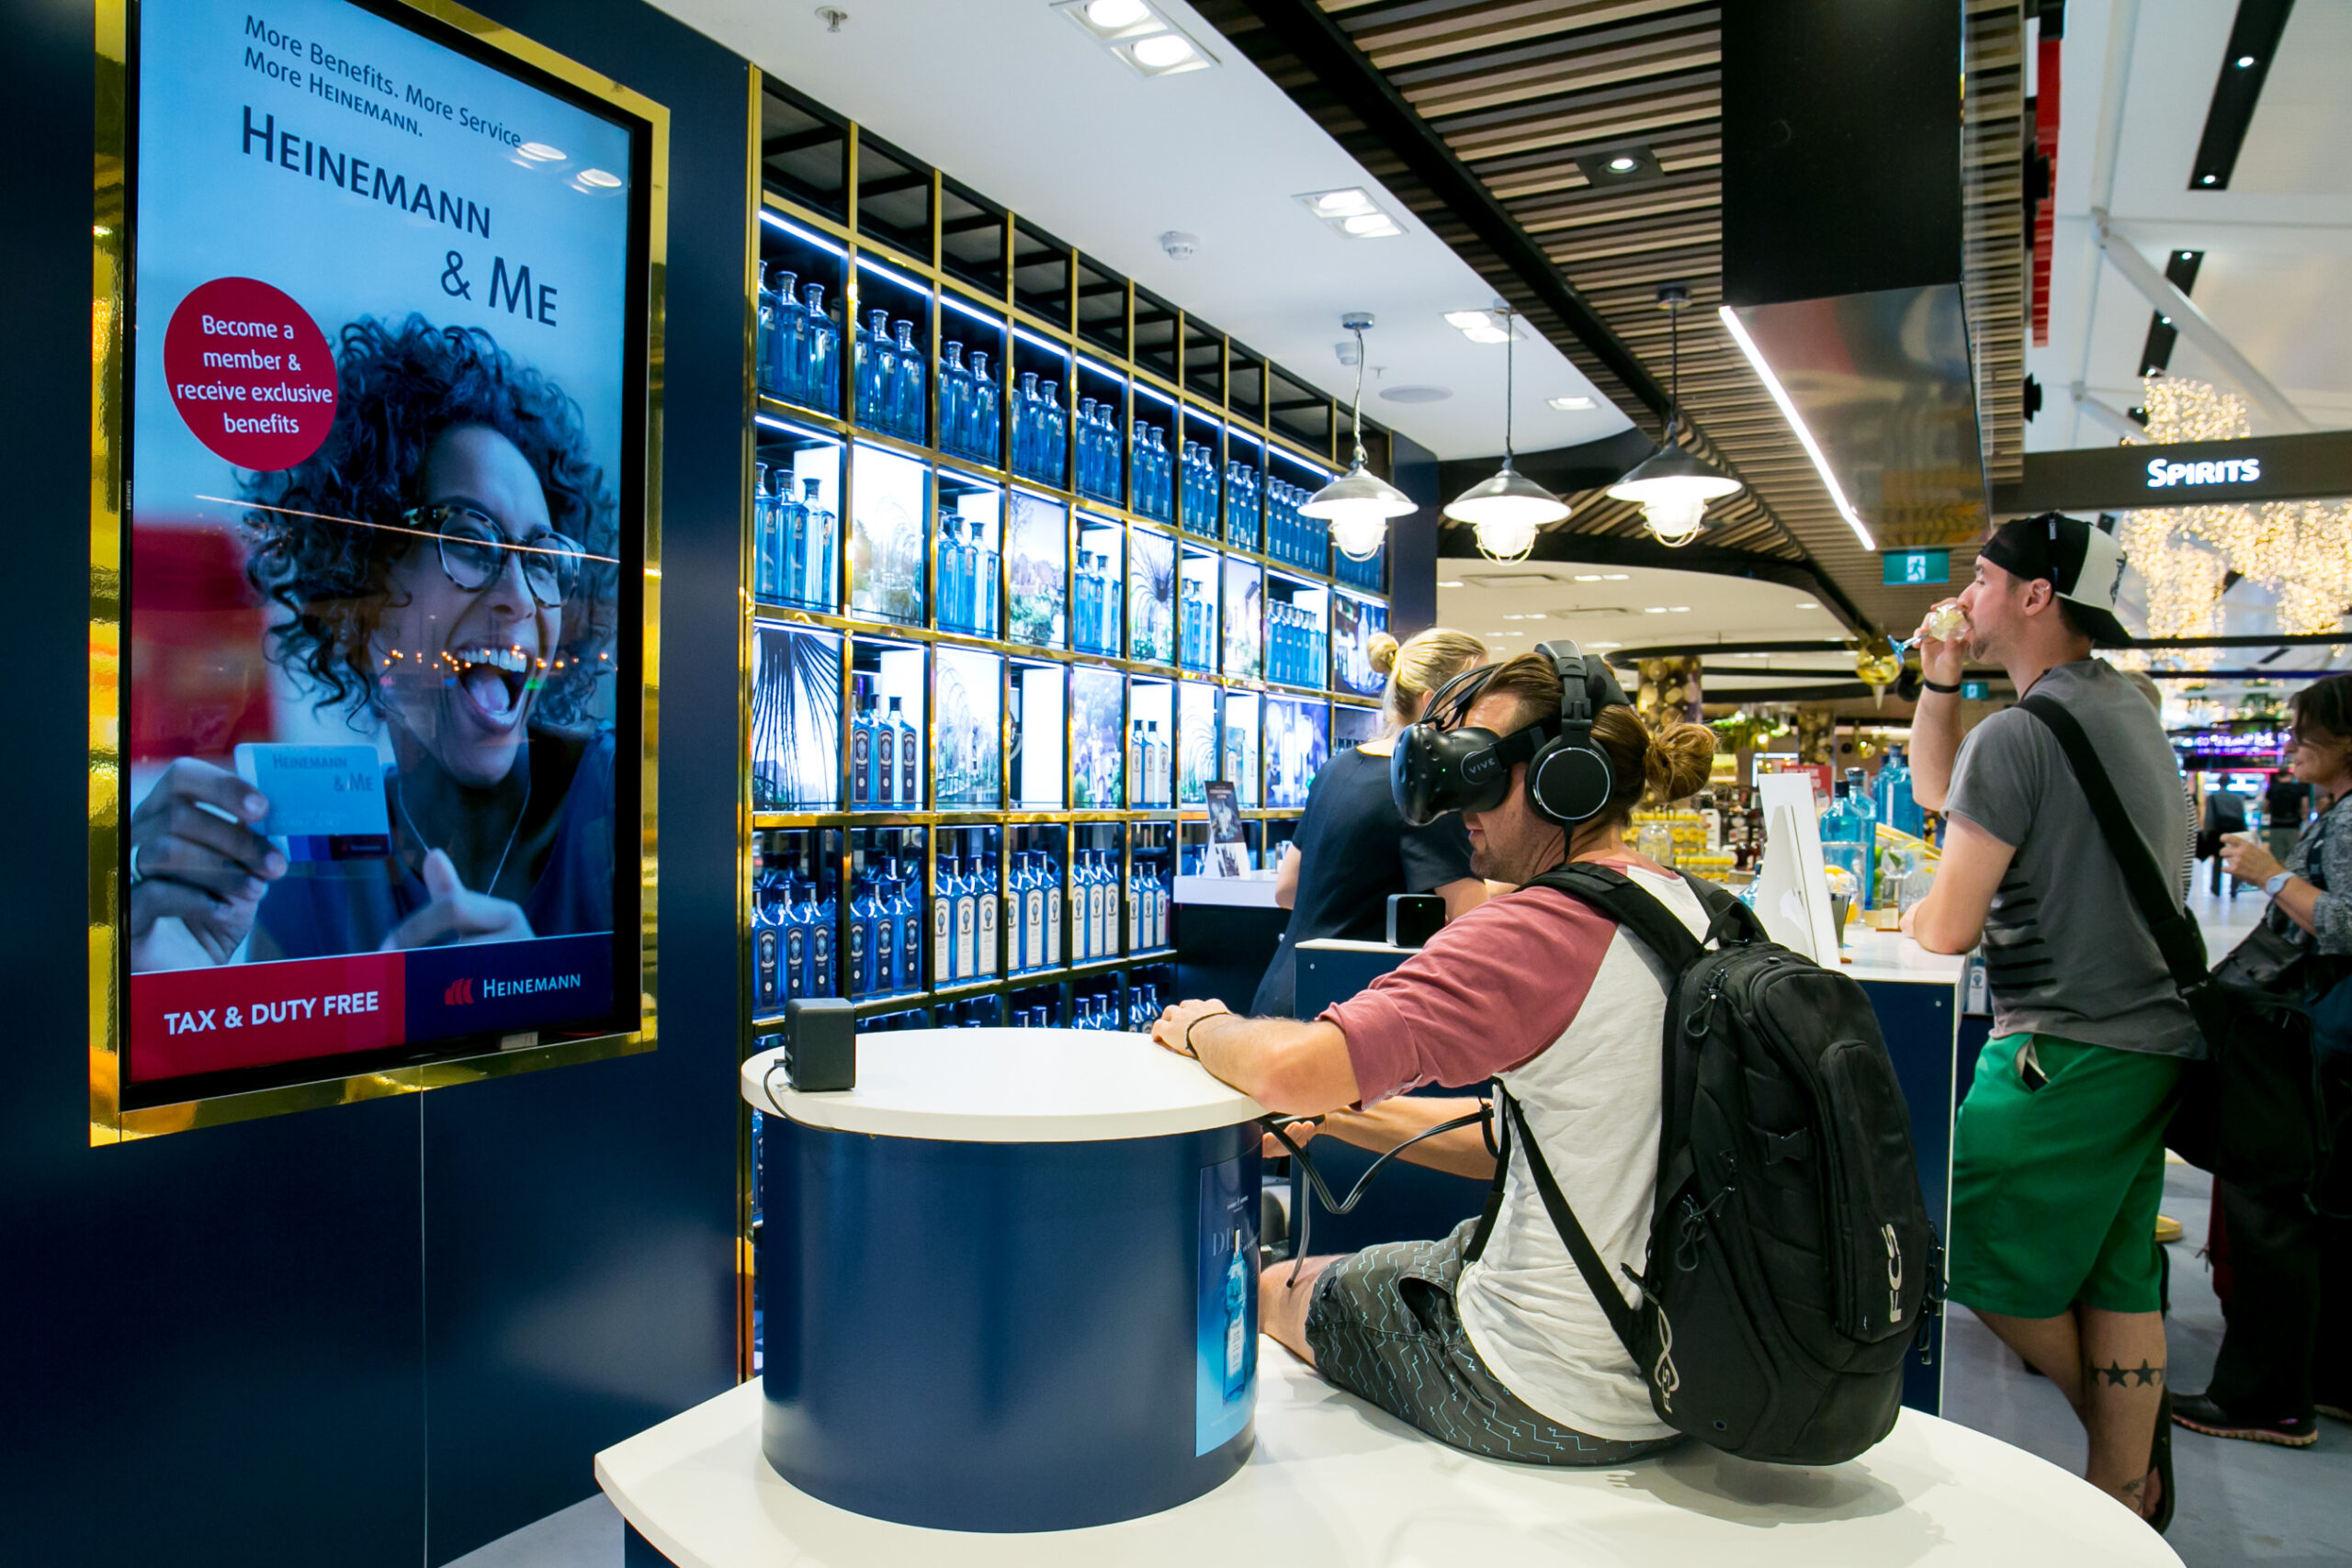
461	993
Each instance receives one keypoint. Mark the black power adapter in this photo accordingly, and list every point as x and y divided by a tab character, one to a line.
819	1044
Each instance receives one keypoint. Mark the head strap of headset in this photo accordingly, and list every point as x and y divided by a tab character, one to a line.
1451	704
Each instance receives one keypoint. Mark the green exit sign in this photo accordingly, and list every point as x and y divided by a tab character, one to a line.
1976	690
1916	565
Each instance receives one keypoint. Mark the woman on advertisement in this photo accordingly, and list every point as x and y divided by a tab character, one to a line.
446	569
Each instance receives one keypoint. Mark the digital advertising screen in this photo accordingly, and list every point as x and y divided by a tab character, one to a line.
381	695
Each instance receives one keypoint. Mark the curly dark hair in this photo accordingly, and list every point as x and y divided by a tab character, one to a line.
398	389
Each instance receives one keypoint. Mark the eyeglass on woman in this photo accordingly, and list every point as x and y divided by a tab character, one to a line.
474	550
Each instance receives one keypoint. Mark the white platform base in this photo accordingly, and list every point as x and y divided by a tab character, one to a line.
1336	1484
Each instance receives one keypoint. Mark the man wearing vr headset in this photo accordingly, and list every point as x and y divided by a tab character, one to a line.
1503	1350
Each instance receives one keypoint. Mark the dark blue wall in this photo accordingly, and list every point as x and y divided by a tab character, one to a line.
388	1332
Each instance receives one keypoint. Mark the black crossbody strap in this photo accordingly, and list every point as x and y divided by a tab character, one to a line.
2178	937
1631	905
1621	1316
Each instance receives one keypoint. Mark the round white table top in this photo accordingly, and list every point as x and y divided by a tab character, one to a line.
1009	1085
1338	1483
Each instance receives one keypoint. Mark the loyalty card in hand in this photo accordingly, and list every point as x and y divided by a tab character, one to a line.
325	802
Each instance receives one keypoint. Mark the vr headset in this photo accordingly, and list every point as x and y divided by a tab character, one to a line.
1436	769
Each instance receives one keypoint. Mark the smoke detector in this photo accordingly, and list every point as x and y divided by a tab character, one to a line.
1179	245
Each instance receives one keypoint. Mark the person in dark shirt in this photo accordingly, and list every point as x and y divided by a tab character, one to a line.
2284	806
1353	850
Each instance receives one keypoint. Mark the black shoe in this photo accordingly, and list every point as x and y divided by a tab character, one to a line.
2160	1461
2199	1414
2335	1409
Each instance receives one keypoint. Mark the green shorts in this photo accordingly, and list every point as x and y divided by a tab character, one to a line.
2054	1190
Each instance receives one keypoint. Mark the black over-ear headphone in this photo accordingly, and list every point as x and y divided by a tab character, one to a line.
1433	771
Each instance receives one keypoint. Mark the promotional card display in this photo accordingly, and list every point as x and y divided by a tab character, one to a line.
796	719
1355	622
1097	701
1037	567
885	541
1245	612
965	729
1229	855
1151	597
384	568
1298	741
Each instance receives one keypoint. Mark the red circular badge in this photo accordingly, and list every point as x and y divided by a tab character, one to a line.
250	372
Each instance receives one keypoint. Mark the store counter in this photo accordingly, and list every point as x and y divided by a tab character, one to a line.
1335	1482
1010	1281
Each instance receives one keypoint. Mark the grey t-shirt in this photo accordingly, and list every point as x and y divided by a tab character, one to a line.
2065	948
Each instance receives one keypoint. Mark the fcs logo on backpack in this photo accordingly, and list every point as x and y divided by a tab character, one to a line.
1436	770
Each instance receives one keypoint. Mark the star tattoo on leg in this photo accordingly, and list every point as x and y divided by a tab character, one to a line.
2144	1375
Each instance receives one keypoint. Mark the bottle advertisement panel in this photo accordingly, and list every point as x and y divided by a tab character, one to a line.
1225	1362
386	426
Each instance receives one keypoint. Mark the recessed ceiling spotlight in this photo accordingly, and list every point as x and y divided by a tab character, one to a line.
1415	394
1570	405
1479	326
1807	604
2245	61
1352	212
1619	165
2207	179
1589	577
1653	609
1449	585
1605	645
1617	577
1149	43
1679	609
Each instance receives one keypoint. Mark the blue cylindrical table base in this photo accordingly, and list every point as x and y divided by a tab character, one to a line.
1008	1337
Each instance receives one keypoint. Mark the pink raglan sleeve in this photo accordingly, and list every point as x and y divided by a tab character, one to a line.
1489	991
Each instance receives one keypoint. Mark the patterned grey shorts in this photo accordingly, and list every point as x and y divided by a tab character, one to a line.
1383	1326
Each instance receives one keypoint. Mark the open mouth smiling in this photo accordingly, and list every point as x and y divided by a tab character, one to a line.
493	681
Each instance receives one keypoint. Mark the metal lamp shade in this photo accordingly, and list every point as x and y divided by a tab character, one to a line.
1358	505
1509	497
1672	474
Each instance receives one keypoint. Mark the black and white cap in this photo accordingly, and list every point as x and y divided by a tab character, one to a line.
2082	561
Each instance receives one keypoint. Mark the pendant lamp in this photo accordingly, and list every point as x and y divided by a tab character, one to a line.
1359	504
1506	510
1672	487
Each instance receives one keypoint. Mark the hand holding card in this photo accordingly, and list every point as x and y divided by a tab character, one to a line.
198	867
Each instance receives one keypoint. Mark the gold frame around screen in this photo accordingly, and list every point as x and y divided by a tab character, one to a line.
110	286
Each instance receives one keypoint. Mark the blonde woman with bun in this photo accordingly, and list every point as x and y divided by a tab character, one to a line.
1507	1355
1352	849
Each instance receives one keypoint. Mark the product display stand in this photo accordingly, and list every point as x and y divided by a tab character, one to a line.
1011	1279
1336	1484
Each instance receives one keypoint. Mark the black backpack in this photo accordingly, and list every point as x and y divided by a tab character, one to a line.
1791	1257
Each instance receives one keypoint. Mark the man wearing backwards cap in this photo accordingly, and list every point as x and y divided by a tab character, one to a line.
2058	1158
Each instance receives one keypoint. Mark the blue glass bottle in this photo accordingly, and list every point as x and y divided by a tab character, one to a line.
978	611
765	356
983	430
764	544
1025	426
953	377
821	363
907	385
794	926
767	946
787	347
907	908
816	942
873	368
1055	450
817	588
949	569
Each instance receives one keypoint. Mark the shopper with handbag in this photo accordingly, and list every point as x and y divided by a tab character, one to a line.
2058	1156
2292	1263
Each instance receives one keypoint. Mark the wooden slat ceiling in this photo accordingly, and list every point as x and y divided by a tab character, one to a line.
1519	90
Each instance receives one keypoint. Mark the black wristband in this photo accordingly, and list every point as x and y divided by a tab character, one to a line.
1950	690
1189	1049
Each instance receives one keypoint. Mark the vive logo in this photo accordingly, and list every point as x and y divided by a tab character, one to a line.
1894	1275
460	993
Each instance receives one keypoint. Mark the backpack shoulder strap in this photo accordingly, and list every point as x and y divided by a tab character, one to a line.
1624	901
1623	1319
2178	937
